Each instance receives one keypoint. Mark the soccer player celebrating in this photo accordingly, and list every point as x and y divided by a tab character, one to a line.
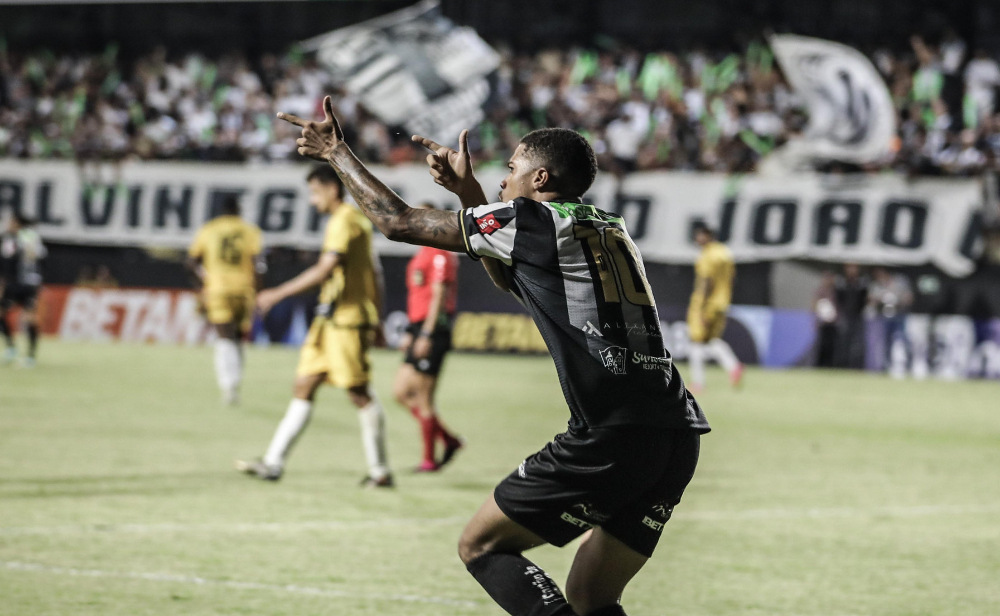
21	250
432	293
713	291
226	259
345	326
634	431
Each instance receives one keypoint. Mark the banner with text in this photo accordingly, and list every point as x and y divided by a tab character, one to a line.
879	219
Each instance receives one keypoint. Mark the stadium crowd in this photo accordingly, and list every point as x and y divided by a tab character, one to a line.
696	110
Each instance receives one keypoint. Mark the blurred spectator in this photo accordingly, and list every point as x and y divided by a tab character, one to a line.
890	298
851	292
692	110
827	315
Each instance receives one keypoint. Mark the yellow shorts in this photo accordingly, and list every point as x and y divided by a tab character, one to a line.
704	328
224	308
339	352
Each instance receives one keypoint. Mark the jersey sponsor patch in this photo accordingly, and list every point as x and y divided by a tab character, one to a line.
489	224
614	359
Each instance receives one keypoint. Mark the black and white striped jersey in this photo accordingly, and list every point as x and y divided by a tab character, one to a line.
577	271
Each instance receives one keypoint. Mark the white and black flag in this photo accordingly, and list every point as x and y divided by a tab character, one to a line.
851	116
413	68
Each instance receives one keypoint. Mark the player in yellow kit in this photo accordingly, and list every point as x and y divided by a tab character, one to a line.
713	292
336	347
226	258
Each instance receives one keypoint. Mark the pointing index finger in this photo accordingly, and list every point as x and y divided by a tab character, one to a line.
293	119
427	143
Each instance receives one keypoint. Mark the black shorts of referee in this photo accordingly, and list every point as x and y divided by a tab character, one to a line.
440	345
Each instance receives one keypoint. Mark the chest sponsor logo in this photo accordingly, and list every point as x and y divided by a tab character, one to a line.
488	224
613	358
647	362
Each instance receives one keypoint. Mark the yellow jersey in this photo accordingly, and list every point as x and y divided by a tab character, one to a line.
713	284
228	248
352	288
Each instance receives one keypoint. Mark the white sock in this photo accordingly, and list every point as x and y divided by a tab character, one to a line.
372	419
696	363
295	421
222	372
723	354
235	365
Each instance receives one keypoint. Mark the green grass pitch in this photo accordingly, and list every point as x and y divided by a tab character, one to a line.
818	494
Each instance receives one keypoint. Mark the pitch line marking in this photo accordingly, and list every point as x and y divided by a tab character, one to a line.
234	527
200	581
838	512
691	516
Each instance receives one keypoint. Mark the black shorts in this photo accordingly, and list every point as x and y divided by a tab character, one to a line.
22	295
440	345
626	480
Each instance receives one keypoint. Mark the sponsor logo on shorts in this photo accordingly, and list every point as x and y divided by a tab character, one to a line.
424	364
520	470
566	517
587	510
664	511
614	359
488	224
650	522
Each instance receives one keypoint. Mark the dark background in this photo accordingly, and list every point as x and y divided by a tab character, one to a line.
258	27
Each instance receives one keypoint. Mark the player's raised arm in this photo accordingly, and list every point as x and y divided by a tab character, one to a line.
453	170
398	221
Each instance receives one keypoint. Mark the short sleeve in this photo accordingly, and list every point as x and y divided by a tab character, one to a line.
197	249
488	230
338	234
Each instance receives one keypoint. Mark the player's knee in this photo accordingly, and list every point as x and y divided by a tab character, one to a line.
304	388
472	545
401	391
469	549
360	396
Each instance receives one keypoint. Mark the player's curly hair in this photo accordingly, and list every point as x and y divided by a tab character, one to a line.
567	157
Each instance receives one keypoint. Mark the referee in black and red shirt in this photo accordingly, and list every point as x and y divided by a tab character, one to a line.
432	293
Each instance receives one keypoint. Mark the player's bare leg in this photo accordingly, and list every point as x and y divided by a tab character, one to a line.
723	354
296	418
229	360
426	388
415	391
372	419
491	547
603	566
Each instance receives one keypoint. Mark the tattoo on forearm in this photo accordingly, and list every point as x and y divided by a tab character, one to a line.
393	217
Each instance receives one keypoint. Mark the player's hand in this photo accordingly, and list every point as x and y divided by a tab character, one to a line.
266	300
405	342
319	139
421	347
449	168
